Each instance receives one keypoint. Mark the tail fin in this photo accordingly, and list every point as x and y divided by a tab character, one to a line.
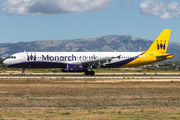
161	43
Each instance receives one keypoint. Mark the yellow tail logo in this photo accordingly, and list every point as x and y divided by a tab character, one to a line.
161	43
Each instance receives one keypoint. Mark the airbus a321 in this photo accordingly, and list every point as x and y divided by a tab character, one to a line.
87	61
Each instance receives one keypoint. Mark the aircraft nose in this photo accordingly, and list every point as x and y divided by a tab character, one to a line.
5	63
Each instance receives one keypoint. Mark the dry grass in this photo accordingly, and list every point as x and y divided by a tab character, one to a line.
88	99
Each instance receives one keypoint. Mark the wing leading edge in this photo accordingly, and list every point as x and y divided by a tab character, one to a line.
100	61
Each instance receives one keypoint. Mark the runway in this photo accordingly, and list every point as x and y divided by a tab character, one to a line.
96	76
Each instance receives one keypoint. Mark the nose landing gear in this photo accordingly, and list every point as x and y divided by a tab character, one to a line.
23	72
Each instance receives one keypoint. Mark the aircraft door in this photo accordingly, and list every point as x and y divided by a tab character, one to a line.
23	57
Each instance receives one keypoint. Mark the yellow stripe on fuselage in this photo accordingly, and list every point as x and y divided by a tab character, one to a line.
147	59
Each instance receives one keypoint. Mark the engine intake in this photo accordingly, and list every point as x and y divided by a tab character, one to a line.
74	68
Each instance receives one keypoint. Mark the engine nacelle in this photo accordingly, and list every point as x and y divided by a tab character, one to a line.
74	68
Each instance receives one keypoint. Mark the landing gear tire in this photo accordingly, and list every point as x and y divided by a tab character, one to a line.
22	73
87	73
92	73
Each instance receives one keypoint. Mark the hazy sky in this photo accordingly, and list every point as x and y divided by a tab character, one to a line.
31	20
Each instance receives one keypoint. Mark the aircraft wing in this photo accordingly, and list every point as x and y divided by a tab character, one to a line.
99	61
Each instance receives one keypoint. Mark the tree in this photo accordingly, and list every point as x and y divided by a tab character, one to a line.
1	60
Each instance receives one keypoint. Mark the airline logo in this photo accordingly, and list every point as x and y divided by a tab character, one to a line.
61	58
31	57
68	58
64	58
161	46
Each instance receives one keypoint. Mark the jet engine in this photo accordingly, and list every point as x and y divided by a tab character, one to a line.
74	68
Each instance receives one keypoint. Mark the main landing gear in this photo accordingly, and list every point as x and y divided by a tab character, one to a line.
23	72
89	72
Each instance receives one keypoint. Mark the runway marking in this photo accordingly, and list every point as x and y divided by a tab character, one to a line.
85	77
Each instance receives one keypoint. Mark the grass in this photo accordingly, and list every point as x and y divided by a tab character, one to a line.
88	99
102	114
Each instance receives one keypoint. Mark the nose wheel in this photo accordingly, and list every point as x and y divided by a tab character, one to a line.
89	72
23	72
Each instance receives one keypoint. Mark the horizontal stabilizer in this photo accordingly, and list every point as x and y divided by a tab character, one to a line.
163	56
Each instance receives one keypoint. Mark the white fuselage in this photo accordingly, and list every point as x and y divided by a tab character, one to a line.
61	59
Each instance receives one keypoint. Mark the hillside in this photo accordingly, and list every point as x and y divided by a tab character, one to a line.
120	43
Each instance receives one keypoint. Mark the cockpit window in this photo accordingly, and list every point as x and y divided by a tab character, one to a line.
12	57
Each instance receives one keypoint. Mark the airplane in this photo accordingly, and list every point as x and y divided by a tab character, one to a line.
87	61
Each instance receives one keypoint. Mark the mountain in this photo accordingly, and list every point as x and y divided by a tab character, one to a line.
110	43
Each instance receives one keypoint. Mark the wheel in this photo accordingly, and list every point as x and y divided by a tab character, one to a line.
86	72
92	73
22	73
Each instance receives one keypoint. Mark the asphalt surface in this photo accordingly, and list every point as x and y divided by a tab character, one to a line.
97	75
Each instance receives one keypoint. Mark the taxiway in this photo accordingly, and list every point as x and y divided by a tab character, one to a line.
98	75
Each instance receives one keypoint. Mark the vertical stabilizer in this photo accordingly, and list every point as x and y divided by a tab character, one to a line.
161	43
